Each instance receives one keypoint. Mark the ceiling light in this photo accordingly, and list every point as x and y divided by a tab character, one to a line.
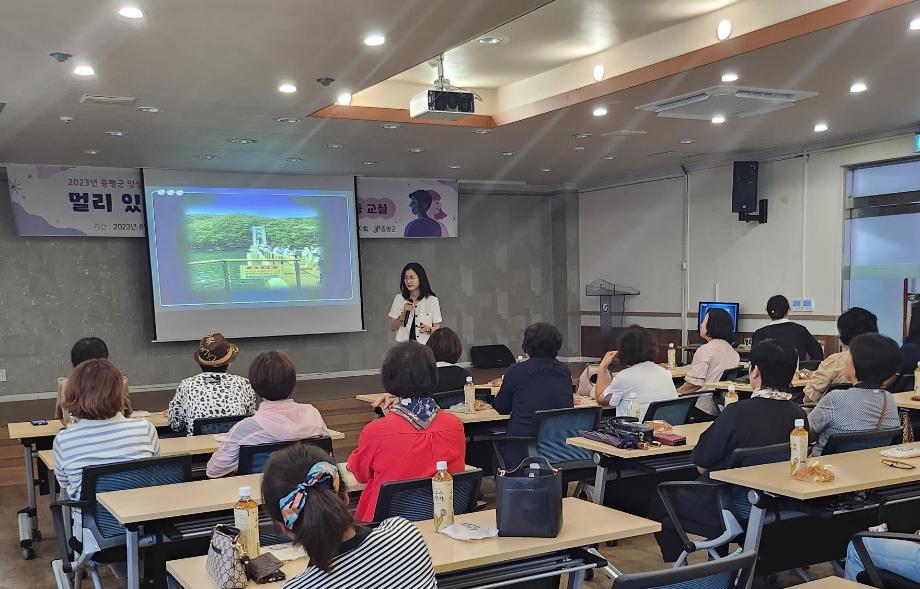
287	88
369	163
858	87
287	120
718	119
820	127
687	141
334	146
580	135
599	111
344	99
724	30
84	70
914	25
730	77
131	12
242	141
607	157
151	108
416	149
208	156
579	149
375	40
66	119
115	133
91	151
294	160
482	131
454	166
507	153
390	126
546	169
490	40
599	72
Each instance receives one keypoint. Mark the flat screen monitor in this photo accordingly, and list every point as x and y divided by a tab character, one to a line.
730	308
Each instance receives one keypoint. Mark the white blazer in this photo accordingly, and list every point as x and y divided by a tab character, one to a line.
427	311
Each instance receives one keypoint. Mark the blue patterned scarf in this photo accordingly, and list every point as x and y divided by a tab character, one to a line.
419	411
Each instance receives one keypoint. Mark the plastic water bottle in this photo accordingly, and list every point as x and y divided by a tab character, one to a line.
520	359
246	520
672	357
632	406
442	489
798	444
917	379
469	395
731	396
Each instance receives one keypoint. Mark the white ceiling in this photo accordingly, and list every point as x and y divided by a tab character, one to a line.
221	85
558	33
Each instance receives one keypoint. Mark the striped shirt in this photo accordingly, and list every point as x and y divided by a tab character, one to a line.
852	410
393	555
90	442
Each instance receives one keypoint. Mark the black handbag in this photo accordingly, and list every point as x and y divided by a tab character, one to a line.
528	500
629	429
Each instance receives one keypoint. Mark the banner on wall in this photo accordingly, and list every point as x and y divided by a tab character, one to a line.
76	201
403	207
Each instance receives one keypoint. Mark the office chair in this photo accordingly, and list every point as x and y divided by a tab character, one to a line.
253	458
412	499
876	577
852	441
215	425
732	572
674	411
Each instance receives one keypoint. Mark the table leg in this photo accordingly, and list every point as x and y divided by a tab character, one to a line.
27	520
134	573
600	480
576	580
754	531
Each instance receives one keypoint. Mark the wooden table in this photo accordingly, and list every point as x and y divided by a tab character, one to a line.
904	401
745	387
854	471
584	524
691	431
832	583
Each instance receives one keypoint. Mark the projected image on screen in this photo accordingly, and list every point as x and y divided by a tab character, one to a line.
252	260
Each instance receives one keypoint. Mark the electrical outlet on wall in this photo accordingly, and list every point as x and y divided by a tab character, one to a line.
808	305
2	374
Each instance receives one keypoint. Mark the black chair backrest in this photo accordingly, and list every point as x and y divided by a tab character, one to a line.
752	456
903	384
734	373
551	428
215	425
447	399
253	458
411	499
852	441
809	364
674	411
491	356
730	572
840	386
119	476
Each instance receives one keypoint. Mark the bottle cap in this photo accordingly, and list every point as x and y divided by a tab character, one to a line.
731	387
245	492
799	423
441	465
670	345
469	379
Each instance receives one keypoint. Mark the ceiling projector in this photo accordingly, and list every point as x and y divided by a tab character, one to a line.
441	104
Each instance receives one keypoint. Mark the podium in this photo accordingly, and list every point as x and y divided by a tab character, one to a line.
612	304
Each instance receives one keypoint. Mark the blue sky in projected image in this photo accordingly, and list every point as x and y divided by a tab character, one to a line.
271	206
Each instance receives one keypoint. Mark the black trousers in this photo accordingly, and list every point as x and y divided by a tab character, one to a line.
698	513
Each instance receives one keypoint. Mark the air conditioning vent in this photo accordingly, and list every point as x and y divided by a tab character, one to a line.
674	155
624	133
739	101
108	100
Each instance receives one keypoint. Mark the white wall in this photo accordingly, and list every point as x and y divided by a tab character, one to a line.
632	235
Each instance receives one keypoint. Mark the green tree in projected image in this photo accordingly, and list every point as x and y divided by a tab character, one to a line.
234	232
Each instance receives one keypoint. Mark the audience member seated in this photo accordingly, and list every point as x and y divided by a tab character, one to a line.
85	349
214	392
642	381
447	351
413	436
866	406
540	383
910	351
901	557
94	395
788	333
304	494
712	359
856	321
278	419
765	419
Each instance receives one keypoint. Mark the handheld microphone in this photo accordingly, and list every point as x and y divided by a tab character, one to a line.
406	318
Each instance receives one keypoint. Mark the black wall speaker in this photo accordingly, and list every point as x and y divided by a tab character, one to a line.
744	187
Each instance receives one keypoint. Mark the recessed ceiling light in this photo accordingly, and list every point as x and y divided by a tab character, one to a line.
91	151
599	111
344	99
242	141
718	119
66	119
599	72
729	77
724	30
858	87
607	157
416	149
84	70
579	149
115	133
482	131
914	25
507	153
580	135
287	120
490	40
334	146
375	40
454	166
131	12
390	126
546	169
151	108
294	160
208	156
287	88
687	141
369	163
821	127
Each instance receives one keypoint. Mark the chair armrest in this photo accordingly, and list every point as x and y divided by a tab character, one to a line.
863	553
667	490
69	503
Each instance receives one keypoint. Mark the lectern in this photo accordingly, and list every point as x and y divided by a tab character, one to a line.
612	306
